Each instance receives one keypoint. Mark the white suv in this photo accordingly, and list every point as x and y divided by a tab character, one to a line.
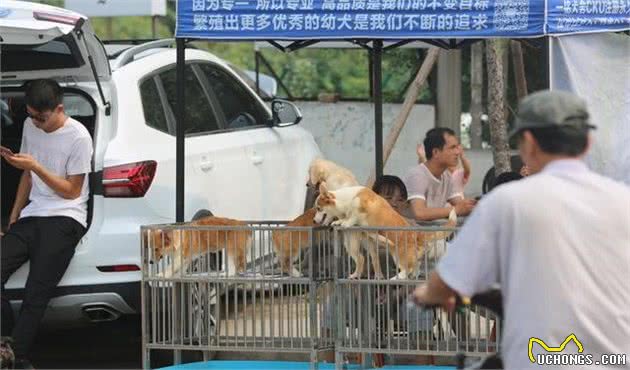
240	161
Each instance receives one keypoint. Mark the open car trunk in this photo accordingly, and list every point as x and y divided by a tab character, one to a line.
77	104
40	41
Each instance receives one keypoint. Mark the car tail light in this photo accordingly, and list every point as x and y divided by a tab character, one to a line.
131	180
118	268
58	18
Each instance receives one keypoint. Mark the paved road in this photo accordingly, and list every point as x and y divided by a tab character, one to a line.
115	345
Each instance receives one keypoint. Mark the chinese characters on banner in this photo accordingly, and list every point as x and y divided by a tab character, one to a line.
566	16
330	19
300	19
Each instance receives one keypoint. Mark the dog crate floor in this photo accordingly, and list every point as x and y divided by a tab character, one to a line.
286	365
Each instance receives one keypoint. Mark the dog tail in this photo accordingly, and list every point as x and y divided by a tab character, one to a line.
452	218
438	235
381	239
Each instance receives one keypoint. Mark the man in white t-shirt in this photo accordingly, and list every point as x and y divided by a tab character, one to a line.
556	242
49	214
431	193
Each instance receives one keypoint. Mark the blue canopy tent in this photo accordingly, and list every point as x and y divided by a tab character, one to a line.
444	23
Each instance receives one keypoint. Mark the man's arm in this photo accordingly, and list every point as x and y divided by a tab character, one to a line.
463	206
21	197
435	292
423	213
68	187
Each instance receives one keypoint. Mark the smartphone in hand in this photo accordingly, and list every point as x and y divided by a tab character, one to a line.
6	151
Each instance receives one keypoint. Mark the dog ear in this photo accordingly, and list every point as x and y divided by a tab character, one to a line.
167	237
162	238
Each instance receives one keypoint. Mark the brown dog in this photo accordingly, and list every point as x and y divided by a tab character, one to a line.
289	244
360	206
185	245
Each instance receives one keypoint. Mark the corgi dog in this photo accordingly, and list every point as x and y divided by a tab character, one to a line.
185	245
289	244
360	206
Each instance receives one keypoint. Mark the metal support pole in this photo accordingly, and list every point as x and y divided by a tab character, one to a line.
547	61
378	106
154	26
179	129
257	64
371	74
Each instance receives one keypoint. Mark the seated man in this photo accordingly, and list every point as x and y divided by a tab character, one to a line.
431	191
556	243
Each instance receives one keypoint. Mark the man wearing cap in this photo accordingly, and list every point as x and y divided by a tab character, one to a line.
557	242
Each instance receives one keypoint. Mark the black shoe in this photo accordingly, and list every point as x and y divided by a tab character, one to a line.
7	357
22	363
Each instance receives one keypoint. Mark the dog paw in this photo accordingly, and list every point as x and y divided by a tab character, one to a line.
337	223
164	274
354	276
296	273
379	277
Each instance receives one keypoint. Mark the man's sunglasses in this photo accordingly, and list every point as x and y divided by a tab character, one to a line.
39	117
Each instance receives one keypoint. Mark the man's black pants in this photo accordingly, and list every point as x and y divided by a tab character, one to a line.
48	243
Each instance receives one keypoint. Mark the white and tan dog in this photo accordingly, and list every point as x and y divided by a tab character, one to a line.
360	206
288	244
185	245
322	171
334	175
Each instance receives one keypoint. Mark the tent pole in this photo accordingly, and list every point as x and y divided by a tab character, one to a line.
547	60
377	53
371	73
179	128
257	63
550	61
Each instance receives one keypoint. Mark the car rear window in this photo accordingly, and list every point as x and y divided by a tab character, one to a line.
55	54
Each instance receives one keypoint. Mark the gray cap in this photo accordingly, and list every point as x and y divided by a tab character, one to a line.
549	109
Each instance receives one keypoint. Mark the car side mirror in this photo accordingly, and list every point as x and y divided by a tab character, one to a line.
285	113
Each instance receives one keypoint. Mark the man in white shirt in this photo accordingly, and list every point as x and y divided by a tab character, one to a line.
49	214
432	194
557	243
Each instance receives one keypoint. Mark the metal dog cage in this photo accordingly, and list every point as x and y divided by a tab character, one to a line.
193	299
374	314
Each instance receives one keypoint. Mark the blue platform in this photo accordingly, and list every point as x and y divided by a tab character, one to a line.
286	365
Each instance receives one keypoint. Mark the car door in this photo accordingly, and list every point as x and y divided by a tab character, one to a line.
267	155
217	162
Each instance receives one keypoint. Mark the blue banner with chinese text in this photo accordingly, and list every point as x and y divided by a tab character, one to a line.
394	19
575	16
